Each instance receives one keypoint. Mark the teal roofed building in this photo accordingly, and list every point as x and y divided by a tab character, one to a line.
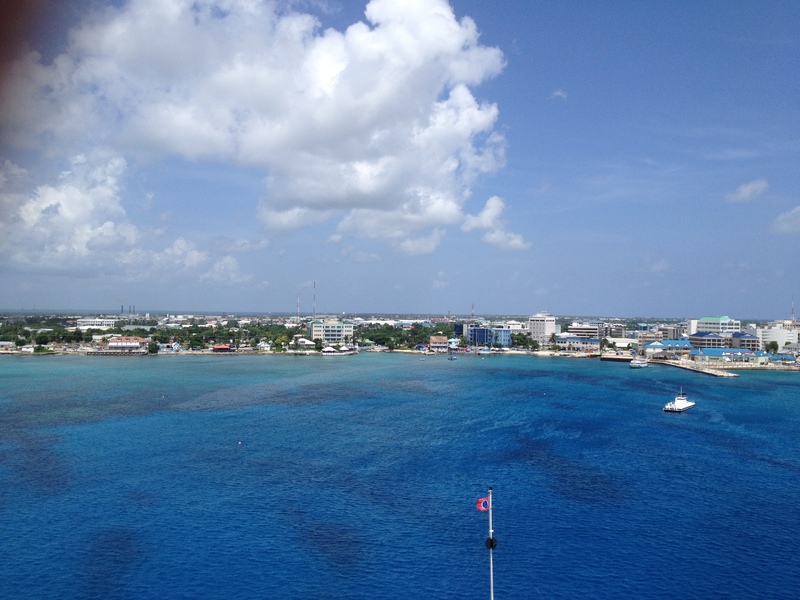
719	325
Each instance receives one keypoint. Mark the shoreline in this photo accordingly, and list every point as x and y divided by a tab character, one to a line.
719	370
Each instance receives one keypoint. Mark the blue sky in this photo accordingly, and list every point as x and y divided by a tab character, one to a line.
617	158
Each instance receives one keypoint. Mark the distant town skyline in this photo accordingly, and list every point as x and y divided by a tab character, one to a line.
413	157
305	315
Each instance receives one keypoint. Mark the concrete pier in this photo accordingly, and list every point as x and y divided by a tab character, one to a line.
693	366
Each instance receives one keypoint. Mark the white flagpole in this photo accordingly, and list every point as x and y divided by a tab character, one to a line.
491	543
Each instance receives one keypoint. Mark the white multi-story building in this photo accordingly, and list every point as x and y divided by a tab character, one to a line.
541	326
514	327
777	332
331	332
719	325
591	329
125	343
96	323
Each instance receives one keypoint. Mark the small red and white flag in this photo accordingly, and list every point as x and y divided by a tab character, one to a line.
483	504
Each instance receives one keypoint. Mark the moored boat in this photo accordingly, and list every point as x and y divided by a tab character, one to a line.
638	362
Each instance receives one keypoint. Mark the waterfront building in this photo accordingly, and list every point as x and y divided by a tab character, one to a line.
667	348
301	342
487	336
707	340
652	349
577	343
541	326
330	331
438	343
677	346
124	344
728	355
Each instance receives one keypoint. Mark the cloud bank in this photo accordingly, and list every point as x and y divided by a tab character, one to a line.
376	126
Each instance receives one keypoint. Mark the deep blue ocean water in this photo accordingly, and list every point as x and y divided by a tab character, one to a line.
356	477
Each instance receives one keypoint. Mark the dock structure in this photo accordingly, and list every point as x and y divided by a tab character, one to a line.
689	365
693	366
617	357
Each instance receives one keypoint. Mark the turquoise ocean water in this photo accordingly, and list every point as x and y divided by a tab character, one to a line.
356	477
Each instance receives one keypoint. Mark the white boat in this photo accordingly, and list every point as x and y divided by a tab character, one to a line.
680	404
638	362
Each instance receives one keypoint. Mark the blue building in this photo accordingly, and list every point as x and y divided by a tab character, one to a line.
487	336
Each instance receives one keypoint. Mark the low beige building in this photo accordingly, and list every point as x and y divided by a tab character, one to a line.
438	343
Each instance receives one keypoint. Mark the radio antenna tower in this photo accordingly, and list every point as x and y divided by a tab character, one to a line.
314	313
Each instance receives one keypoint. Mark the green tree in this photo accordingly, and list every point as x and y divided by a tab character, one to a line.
520	340
280	342
553	345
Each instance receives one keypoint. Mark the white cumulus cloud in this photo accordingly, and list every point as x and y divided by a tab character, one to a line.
375	125
489	219
226	270
788	222
747	192
61	222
